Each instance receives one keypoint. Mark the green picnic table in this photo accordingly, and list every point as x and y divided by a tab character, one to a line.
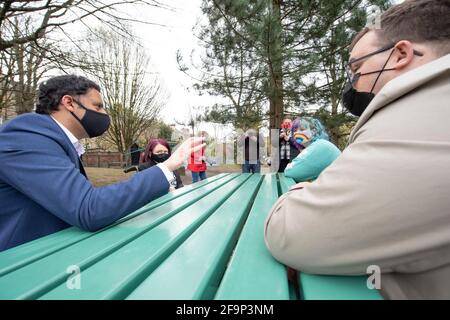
203	241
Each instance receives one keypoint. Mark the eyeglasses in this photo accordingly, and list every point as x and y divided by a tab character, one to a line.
385	48
354	77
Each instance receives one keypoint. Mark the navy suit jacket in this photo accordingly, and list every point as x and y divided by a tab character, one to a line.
43	191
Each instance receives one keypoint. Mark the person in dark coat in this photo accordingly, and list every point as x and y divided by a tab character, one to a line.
252	143
135	154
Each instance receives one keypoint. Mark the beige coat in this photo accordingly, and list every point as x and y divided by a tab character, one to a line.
386	200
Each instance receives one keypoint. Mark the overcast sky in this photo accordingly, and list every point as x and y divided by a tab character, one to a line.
162	44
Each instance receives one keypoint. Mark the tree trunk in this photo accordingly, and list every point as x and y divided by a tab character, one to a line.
275	66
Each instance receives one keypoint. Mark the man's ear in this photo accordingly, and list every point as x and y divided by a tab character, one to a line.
67	102
403	55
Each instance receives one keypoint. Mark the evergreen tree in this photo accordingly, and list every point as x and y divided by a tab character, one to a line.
272	58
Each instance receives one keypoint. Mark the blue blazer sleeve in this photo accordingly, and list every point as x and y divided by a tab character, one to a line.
42	170
312	161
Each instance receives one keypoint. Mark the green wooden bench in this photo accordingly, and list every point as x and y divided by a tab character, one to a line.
203	241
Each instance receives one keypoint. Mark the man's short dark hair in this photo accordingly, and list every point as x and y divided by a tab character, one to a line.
420	21
52	90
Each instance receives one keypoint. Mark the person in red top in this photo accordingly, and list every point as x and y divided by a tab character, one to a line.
197	163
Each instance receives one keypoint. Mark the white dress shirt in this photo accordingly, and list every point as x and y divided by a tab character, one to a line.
169	174
76	143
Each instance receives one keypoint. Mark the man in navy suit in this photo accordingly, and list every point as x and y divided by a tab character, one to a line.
43	186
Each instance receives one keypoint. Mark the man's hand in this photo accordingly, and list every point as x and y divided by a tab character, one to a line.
282	135
180	155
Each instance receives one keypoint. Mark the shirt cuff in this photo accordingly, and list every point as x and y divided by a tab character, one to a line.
169	174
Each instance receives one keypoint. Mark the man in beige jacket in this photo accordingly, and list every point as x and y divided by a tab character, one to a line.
386	200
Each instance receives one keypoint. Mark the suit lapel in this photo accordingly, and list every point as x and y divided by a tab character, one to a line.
69	147
83	172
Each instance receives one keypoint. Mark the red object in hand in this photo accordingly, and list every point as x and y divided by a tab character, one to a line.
197	162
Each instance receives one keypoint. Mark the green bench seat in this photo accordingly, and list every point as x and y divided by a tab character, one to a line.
320	287
252	272
203	241
195	269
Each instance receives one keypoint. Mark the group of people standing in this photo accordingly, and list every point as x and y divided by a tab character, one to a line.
294	138
304	149
158	151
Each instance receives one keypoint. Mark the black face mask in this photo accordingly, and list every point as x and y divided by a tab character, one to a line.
355	101
94	123
158	158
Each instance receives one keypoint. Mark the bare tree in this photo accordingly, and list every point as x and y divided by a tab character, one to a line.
34	37
21	68
197	115
6	72
29	68
49	15
133	96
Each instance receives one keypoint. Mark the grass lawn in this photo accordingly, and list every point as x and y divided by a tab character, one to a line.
105	176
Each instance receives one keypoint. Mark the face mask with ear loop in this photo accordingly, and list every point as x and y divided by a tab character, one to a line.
93	122
158	158
355	101
303	137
